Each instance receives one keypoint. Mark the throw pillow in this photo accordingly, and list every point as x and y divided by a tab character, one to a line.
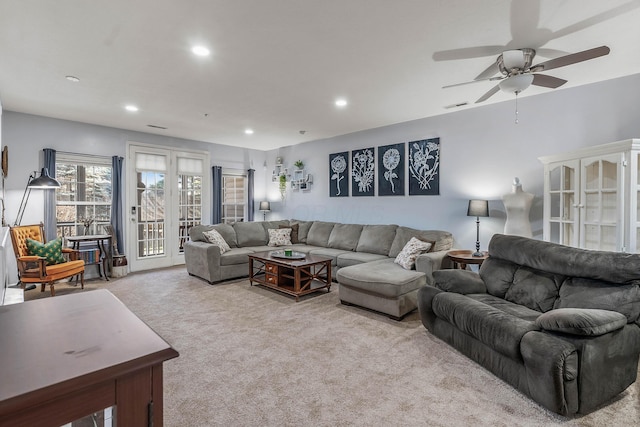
294	232
216	239
414	247
52	250
279	236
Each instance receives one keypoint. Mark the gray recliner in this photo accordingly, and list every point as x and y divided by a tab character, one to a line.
560	324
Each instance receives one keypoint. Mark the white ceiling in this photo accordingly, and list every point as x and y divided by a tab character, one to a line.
277	66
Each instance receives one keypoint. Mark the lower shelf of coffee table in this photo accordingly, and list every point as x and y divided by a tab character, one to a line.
286	284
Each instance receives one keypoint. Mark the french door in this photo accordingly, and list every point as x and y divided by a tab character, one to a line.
167	193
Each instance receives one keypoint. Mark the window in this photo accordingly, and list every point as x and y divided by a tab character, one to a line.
83	201
233	198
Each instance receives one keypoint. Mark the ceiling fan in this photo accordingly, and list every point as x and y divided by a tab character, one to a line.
518	73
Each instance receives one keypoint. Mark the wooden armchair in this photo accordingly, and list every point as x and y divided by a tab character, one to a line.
35	269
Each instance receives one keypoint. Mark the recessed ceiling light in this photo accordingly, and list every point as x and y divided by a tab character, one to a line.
248	131
341	102
200	51
72	79
131	108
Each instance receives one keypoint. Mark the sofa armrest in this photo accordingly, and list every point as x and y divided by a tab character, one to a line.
459	281
430	262
551	366
581	321
425	304
202	260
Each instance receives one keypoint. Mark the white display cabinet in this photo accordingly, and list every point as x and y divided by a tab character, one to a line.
591	197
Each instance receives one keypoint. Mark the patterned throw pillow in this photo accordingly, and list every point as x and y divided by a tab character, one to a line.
52	250
216	239
414	247
279	236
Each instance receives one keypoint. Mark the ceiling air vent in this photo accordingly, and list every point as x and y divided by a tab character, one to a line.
156	127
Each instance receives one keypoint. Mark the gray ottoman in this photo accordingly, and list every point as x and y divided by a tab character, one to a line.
382	286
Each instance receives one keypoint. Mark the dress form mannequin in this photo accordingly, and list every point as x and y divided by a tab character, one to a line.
518	204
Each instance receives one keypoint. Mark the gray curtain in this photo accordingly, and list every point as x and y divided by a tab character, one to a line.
50	223
117	217
250	202
216	211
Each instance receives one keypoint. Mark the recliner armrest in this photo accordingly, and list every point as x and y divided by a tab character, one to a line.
581	321
430	262
459	281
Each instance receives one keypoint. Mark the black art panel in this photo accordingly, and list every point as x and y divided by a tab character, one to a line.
363	172
391	170
339	174
424	167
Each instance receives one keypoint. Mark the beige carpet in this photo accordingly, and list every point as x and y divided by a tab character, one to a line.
250	356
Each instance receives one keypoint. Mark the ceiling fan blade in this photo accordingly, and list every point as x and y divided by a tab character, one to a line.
474	81
547	81
488	72
467	53
573	58
489	94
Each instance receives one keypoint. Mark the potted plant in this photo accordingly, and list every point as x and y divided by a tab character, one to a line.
299	164
283	185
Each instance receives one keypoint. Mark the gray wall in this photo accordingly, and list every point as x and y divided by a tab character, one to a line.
482	150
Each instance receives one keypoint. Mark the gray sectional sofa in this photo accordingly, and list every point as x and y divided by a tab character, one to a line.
560	324
362	258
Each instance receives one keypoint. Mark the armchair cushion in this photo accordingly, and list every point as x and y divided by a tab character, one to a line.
52	250
581	321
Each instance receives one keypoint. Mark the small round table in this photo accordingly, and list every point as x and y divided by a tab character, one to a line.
462	257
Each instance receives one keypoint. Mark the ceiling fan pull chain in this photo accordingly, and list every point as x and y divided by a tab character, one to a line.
516	107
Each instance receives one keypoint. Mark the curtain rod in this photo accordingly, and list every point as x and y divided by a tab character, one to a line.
84	155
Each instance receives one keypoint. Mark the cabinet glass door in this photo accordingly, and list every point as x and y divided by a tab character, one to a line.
601	204
563	215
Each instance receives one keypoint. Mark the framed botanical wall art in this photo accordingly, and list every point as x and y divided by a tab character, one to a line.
424	167
391	170
339	174
363	172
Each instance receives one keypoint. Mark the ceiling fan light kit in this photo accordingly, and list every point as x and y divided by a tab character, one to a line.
516	84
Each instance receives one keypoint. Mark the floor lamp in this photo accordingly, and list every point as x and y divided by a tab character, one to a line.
478	208
43	182
265	207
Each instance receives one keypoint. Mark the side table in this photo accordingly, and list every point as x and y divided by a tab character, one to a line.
103	260
461	258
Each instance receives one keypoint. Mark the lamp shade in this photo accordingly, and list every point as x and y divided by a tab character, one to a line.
44	181
478	208
265	206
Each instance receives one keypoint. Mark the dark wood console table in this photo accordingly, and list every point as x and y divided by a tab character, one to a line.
66	357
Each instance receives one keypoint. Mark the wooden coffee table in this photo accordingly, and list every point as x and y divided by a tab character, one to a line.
293	276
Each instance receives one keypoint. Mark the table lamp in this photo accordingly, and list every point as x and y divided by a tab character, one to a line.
478	208
265	207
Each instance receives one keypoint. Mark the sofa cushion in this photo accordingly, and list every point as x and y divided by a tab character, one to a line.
250	234
495	328
274	224
226	231
458	281
498	275
581	321
376	239
303	229
345	236
535	289
443	239
354	258
517	310
407	256
319	233
236	256
294	232
328	252
279	236
216	239
382	277
577	292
